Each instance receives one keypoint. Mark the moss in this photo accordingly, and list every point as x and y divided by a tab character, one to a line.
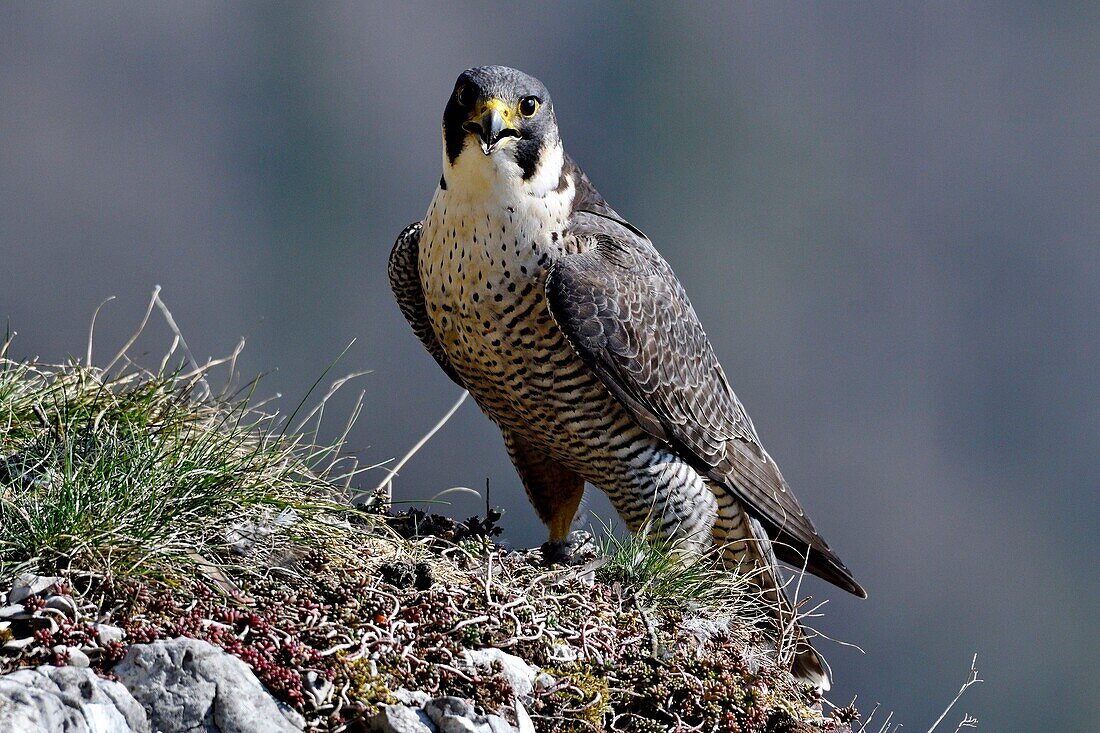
584	697
364	684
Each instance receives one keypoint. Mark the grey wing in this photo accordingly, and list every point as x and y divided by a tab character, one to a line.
624	311
405	283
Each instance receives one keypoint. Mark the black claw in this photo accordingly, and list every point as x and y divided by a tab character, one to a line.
575	549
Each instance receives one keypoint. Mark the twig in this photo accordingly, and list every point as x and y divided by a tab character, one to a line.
387	483
654	644
971	679
968	721
91	331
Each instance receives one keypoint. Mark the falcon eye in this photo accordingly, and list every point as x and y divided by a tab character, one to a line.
464	95
528	106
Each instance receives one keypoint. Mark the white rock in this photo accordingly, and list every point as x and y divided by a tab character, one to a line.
67	700
441	706
523	719
106	633
451	715
519	673
401	719
13	611
498	724
318	687
185	683
28	585
77	658
455	715
414	698
14	646
64	604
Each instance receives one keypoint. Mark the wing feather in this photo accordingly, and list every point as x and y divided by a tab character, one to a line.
625	312
405	282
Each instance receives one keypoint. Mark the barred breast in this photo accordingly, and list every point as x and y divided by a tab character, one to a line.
483	270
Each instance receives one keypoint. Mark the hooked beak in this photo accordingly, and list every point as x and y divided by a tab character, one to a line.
492	124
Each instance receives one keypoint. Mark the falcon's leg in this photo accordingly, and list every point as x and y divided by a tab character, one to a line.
668	497
554	491
672	499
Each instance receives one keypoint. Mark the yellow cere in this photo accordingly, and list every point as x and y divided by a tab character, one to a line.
500	106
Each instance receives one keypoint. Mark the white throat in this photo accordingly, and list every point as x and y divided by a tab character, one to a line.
487	223
496	177
487	226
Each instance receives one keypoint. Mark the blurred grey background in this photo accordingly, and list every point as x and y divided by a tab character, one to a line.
886	216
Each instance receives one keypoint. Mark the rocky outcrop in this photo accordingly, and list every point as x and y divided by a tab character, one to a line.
175	686
523	677
469	647
186	685
67	700
189	685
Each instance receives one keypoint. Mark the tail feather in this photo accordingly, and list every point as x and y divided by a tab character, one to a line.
746	547
808	665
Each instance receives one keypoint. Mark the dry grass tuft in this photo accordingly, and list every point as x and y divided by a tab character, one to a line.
151	472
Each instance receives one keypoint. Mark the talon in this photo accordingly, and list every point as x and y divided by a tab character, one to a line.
576	548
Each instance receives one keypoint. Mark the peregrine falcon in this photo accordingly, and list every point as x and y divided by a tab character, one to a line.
575	337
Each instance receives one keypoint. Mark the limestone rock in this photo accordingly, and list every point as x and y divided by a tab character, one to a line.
65	605
401	719
28	584
415	698
190	686
106	633
455	715
520	675
14	646
418	713
67	700
525	724
318	687
76	655
15	610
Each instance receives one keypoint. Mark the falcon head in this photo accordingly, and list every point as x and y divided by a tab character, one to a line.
500	122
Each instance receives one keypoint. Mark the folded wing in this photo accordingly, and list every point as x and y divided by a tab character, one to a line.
624	311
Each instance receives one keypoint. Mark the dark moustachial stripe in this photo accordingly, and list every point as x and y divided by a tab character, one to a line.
528	151
454	137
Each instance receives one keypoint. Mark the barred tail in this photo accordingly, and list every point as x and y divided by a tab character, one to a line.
747	548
